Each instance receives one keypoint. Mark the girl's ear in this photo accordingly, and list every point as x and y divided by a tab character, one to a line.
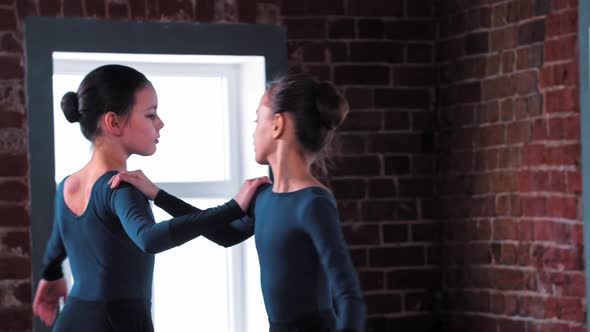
113	123
278	125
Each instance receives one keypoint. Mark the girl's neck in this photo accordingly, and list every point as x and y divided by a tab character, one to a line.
291	170
106	157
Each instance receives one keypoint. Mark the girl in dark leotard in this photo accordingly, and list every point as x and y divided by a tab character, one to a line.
304	261
109	235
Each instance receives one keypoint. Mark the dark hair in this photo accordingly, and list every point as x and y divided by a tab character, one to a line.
317	107
109	88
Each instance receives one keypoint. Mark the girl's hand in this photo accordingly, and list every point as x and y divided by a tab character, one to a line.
138	180
248	190
46	302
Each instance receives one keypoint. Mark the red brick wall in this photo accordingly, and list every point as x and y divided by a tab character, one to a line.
510	182
381	53
458	180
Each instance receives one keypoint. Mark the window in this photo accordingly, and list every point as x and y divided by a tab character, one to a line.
205	152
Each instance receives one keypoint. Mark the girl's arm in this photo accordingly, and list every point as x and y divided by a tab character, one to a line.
224	235
133	209
322	224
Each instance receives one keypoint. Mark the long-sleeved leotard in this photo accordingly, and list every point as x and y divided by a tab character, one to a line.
304	260
110	246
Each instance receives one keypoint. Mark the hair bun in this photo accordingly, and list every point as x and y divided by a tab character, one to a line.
331	105
69	105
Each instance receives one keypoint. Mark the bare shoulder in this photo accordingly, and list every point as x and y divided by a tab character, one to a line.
73	183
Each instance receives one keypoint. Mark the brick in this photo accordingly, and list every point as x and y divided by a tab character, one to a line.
352	143
23	292
370	28
569	22
509	279
320	72
72	8
496	88
10	44
326	7
395	143
572	310
361	75
421	301
379	8
359	97
363	121
531	32
15	267
341	28
564	128
376	52
152	9
378	210
50	7
18	318
414	279
383	303
348	210
14	216
205	10
508	60
118	11
137	9
362	234
11	67
525	82
372	280
419	53
395	233
397	165
560	49
359	257
529	57
382	188
416	187
12	120
397	120
246	11
177	10
397	256
14	165
320	52
470	92
358	165
410	30
13	191
413	76
420	8
427	232
565	100
477	43
307	28
506	38
542	7
96	8
15	243
403	98
348	188
559	75
574	182
7	19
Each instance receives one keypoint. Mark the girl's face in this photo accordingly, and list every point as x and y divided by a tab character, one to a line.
263	141
142	127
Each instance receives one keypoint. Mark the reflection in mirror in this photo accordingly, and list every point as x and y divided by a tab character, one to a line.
205	152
